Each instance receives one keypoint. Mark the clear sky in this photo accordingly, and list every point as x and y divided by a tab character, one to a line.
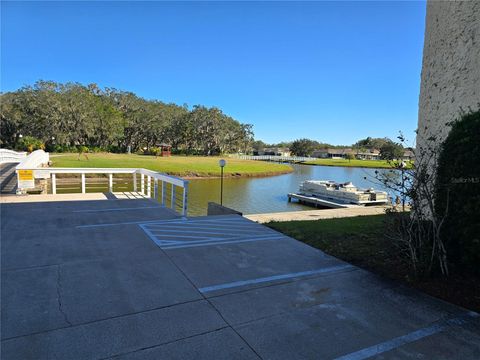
332	71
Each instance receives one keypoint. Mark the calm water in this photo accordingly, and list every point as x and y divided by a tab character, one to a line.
265	195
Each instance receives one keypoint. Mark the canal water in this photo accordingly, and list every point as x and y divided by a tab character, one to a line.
269	194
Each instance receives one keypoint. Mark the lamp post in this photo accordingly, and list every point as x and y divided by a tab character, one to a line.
403	165
222	164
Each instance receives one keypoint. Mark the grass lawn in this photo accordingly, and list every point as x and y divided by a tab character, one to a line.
361	241
187	166
379	164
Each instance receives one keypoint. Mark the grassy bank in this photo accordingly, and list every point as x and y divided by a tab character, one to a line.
186	166
361	241
378	164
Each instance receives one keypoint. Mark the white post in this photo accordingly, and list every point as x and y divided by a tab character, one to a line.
155	189
54	184
164	193
185	197
142	184
83	183
149	186
173	197
134	182
110	182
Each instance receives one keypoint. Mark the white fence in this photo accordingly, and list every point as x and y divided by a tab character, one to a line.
10	156
149	183
37	158
275	158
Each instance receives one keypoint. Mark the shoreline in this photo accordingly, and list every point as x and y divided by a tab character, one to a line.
233	176
353	166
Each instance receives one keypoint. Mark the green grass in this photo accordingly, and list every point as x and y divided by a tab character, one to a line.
379	164
187	166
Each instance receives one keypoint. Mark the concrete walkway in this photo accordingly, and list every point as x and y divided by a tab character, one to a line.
5	199
8	178
317	214
127	279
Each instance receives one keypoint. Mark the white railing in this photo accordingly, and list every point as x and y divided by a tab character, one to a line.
35	159
278	158
10	156
149	183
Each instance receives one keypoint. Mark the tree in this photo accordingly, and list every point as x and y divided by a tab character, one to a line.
77	115
350	156
391	151
303	147
457	192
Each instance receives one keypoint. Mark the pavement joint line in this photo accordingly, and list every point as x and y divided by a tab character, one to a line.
213	243
413	336
273	278
171	221
165	343
118	209
35	267
103	319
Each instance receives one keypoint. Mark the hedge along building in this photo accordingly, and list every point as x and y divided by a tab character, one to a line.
450	80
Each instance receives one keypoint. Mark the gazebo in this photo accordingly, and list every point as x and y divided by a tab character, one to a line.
165	149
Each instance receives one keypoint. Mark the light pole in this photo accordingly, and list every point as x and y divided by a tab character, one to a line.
222	164
403	165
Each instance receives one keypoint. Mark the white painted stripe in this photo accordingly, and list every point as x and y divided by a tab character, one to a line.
116	224
188	229
159	236
119	209
275	277
172	221
217	243
208	225
408	338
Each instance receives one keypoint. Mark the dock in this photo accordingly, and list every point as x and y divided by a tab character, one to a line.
318	202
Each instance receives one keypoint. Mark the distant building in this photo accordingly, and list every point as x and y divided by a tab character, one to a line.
370	154
332	153
273	151
408	155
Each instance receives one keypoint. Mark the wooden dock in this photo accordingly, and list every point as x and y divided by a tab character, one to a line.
318	202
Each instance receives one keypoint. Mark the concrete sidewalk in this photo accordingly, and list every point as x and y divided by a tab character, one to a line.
317	214
128	279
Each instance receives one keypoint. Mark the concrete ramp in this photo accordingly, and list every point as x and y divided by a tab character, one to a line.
8	178
129	279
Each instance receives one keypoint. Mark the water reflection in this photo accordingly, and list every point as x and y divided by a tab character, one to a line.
264	195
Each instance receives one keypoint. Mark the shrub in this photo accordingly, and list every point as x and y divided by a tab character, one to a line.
30	143
458	191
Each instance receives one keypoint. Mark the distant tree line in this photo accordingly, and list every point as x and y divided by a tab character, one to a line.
62	117
389	149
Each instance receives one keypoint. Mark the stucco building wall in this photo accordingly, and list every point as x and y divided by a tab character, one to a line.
450	79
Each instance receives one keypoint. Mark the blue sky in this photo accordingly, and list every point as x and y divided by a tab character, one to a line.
332	71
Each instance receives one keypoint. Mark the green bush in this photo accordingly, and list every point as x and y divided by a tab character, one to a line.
458	192
30	143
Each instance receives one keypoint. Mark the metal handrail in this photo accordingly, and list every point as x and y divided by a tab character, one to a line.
146	177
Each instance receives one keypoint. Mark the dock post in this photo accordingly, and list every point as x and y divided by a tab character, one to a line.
83	183
54	184
149	186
